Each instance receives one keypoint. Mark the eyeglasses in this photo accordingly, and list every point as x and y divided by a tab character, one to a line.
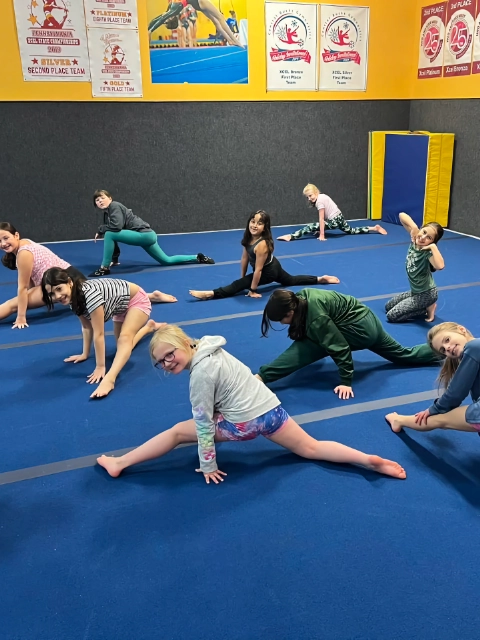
168	358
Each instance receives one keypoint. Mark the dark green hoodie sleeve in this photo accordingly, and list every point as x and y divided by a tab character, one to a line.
115	219
324	332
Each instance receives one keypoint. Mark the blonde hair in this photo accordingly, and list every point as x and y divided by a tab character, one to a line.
450	365
311	187
171	334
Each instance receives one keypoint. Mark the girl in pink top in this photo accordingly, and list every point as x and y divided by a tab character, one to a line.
329	217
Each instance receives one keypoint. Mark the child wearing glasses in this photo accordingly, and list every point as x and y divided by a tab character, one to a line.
229	403
95	302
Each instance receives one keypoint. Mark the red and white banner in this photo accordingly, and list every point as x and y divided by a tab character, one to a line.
115	63
119	14
52	40
476	43
343	48
291	46
432	41
457	58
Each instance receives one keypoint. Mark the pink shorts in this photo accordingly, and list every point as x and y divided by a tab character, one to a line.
475	426
139	301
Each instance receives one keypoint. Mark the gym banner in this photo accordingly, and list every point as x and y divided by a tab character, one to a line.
291	46
119	14
52	40
115	63
457	59
432	41
476	45
343	48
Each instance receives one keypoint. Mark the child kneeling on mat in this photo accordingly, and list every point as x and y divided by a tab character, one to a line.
229	403
95	302
459	376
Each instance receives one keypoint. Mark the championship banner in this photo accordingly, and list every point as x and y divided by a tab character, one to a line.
115	63
117	14
52	40
432	41
476	45
343	48
291	46
457	59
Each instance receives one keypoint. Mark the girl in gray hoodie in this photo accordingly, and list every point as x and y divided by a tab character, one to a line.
229	403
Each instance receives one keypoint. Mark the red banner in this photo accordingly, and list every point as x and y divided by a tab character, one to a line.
299	54
341	56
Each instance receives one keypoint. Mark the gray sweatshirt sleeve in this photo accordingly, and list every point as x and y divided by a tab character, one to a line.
116	219
459	387
202	397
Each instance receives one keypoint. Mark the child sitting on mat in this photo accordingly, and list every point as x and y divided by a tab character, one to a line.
423	257
125	227
459	376
258	252
31	260
95	302
229	403
329	217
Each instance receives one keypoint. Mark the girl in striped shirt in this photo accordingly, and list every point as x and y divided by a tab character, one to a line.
95	302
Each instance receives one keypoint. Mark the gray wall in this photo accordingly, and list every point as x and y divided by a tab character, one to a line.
461	117
184	166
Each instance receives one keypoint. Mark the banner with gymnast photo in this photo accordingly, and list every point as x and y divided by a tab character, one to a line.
343	48
198	41
119	14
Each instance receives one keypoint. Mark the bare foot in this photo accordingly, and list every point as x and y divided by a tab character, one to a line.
328	280
103	389
153	326
431	312
285	238
387	467
158	296
392	420
111	464
201	295
380	229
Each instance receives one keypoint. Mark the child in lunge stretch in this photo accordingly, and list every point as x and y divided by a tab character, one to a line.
123	226
31	260
257	245
95	302
423	257
328	323
329	217
459	376
229	403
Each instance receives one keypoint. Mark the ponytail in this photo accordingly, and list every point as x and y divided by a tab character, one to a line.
279	305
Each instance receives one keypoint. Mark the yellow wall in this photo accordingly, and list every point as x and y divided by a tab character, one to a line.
390	69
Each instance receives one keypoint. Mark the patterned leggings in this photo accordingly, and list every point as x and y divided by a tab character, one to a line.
338	222
410	305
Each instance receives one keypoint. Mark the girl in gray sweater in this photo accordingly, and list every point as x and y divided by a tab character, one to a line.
229	403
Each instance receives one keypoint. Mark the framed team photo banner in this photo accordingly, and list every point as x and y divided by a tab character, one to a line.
343	48
432	41
457	59
291	46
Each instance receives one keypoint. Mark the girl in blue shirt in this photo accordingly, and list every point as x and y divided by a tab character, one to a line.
460	376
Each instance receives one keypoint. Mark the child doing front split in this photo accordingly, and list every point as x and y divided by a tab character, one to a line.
95	302
459	376
258	247
229	403
329	217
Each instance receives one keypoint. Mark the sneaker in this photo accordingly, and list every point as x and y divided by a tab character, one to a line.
102	271
115	263
202	259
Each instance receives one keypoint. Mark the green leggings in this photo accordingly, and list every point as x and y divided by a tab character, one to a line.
147	241
366	333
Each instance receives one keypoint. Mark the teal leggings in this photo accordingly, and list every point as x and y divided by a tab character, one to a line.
147	241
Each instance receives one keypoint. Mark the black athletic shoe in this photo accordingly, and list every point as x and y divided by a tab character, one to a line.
202	259
102	271
115	263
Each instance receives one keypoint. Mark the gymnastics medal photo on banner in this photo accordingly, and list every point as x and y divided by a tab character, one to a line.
52	40
432	41
343	48
114	14
476	43
291	46
115	63
457	58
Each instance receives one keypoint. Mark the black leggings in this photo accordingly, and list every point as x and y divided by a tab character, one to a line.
271	272
174	11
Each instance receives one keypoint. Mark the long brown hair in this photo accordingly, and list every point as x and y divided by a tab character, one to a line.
9	260
280	303
267	232
56	276
450	365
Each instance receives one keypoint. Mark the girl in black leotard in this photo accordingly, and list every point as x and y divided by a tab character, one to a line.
258	252
205	6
